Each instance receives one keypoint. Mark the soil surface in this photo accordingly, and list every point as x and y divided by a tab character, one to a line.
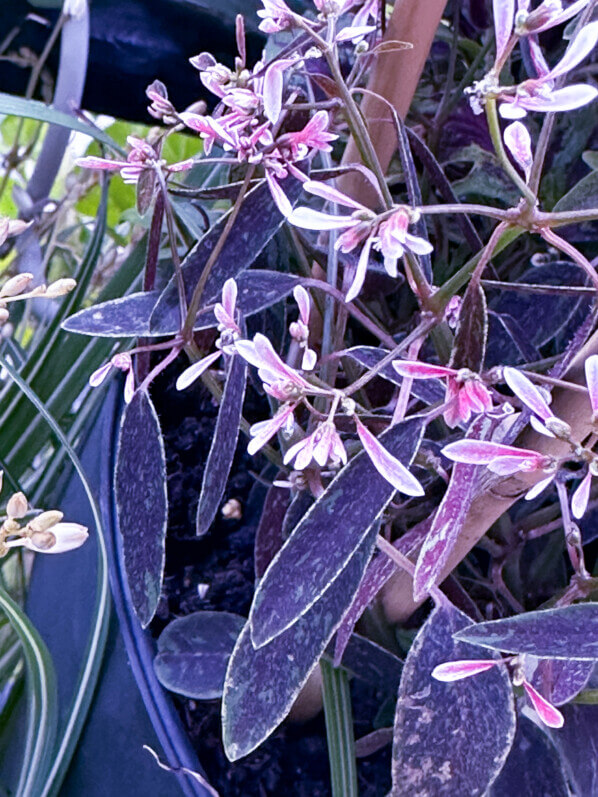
294	760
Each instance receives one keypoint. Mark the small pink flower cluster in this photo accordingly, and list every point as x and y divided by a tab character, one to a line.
142	157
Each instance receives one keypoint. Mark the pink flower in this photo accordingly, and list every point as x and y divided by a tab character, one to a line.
123	362
539	94
314	136
141	157
465	391
299	330
544	420
276	16
550	716
387	466
280	380
498	458
323	445
262	431
229	332
210	131
389	235
547	15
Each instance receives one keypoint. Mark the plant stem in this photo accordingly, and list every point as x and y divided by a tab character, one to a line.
339	730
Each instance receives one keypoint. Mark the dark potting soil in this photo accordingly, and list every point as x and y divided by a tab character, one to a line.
294	760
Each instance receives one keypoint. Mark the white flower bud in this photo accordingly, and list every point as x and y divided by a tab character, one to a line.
63	537
16	506
46	520
16	284
61	287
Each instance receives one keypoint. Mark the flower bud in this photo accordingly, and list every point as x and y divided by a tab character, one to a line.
46	520
16	285
558	428
63	537
16	506
4	315
61	287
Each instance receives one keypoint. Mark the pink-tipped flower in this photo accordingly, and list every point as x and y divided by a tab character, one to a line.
591	369
276	16
549	715
263	431
544	420
547	15
272	86
498	458
451	671
279	379
225	313
393	240
314	136
122	362
539	94
323	446
388	466
504	12
465	391
581	496
299	330
519	143
141	157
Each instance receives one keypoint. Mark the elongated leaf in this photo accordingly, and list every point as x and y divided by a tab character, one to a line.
224	443
324	541
448	520
141	500
261	685
470	339
577	742
371	663
129	316
450	738
583	195
42	700
193	653
256	223
33	109
559	681
533	767
268	537
569	632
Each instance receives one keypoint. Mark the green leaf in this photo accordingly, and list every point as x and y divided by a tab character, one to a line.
583	195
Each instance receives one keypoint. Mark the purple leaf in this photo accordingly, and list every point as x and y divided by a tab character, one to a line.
470	338
429	391
577	742
127	317
324	541
569	632
372	663
533	767
224	443
141	503
447	524
256	223
193	653
262	684
449	738
269	536
559	680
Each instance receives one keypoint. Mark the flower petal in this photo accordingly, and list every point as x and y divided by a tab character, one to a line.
419	370
278	195
549	715
504	12
309	219
388	466
457	670
581	46
579	502
519	143
193	372
527	392
591	369
331	194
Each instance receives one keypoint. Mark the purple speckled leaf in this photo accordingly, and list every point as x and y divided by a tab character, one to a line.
268	537
129	316
224	443
141	503
569	632
325	539
261	685
257	221
379	571
533	767
450	738
193	653
558	680
448	520
577	742
472	331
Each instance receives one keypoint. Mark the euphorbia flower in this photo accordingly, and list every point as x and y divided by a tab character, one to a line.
451	671
276	16
544	420
279	379
539	94
388	466
498	458
141	157
59	538
123	362
324	445
548	14
314	136
389	235
465	391
262	431
229	332
299	330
